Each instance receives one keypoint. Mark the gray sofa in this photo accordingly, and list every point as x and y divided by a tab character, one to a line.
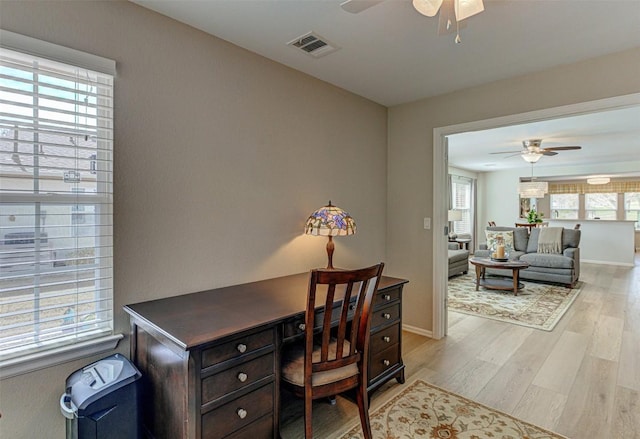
561	268
458	259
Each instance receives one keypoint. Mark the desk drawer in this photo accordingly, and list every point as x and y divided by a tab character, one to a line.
385	316
295	326
383	339
230	380
385	297
260	429
237	347
238	413
384	360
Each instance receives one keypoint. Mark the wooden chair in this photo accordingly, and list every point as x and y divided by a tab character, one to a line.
333	356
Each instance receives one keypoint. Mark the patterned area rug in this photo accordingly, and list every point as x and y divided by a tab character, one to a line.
537	306
425	411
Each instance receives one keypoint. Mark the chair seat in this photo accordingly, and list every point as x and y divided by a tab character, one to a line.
293	365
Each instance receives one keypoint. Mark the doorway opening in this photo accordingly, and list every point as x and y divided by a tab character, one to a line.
440	185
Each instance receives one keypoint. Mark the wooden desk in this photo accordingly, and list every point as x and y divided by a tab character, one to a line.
210	361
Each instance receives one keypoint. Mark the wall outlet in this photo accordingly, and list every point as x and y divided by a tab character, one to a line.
427	223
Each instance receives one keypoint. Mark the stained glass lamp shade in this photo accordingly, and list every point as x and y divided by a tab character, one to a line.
330	221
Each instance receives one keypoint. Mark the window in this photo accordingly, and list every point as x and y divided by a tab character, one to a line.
601	205
632	207
461	189
565	206
56	286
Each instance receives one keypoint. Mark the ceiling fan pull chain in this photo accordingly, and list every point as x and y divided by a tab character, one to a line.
457	40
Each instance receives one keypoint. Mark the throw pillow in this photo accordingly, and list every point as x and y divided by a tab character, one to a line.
507	236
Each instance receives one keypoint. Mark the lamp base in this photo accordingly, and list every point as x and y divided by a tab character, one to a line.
330	248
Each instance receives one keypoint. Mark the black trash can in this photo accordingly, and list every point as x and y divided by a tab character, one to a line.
102	400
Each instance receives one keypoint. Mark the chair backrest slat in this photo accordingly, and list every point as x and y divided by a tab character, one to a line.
353	318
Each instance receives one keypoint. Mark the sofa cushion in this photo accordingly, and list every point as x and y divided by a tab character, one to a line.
493	236
547	260
458	255
520	236
515	255
532	246
570	238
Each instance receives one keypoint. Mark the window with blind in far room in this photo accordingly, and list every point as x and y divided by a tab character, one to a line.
565	206
632	207
461	195
601	205
56	275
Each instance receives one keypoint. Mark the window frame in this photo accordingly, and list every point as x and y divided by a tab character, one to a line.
105	339
625	203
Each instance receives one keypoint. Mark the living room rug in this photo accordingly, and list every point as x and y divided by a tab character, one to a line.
422	410
537	305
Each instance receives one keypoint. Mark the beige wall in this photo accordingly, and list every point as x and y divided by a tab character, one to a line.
217	159
410	183
220	156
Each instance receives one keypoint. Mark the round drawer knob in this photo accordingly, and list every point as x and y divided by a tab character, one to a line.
387	297
386	362
242	377
386	339
352	307
302	326
242	413
241	348
386	315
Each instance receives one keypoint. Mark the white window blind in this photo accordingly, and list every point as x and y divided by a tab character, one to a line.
632	207
461	188
56	196
565	206
601	206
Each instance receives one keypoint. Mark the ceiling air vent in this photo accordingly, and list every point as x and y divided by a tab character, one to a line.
313	44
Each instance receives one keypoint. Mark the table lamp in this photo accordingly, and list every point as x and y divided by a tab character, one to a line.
453	216
330	221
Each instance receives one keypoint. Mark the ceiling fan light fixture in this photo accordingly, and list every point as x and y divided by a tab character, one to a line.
598	180
427	7
467	8
531	157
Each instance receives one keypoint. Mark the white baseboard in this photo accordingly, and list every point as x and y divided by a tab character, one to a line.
417	330
622	264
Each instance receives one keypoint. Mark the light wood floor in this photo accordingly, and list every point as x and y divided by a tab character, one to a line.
581	380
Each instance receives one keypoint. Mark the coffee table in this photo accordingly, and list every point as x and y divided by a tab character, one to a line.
494	283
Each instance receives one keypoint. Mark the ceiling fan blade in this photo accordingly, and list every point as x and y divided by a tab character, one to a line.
547	152
508	152
355	6
513	155
562	148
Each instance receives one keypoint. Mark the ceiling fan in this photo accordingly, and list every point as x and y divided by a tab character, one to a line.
532	152
451	11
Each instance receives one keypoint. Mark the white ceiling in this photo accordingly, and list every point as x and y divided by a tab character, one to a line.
606	137
391	54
